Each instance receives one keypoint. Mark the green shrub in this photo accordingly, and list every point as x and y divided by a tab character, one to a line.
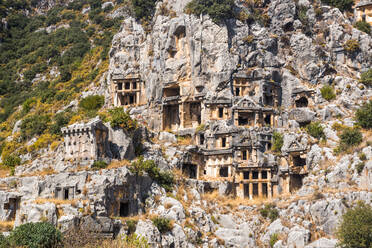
362	156
120	119
97	165
316	130
343	5
350	137
355	229
162	224
366	77
351	46
94	102
277	142
328	92
4	243
273	239
218	10
363	26
360	167
131	224
34	125
364	115
36	235
11	160
144	9
269	211
164	179
60	120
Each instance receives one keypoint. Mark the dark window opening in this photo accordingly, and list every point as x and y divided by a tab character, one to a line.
169	92
269	100
190	170
220	112
264	174
131	99
223	144
244	155
134	85
302	102
267	120
295	182
120	86
124	209
264	190
246	190
255	189
255	175
298	161
242	120
202	139
246	174
127	86
224	172
78	191
304	123
6	206
237	91
66	195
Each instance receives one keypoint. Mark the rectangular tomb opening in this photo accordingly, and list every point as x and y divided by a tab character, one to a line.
246	190
295	182
246	118
171	117
246	175
264	190
171	91
255	189
224	172
124	209
190	170
298	161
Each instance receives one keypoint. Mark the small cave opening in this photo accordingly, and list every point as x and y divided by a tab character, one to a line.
302	102
124	209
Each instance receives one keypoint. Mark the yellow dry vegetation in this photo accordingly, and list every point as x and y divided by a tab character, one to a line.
118	164
6	226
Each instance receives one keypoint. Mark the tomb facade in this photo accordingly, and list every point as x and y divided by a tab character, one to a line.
128	91
86	141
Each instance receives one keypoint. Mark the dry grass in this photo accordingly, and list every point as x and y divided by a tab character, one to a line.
184	141
6	226
59	201
118	164
44	172
4	172
233	202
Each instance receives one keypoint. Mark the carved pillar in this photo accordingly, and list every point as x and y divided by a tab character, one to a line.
269	189
250	191
259	184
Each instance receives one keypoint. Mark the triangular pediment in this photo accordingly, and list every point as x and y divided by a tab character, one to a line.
246	103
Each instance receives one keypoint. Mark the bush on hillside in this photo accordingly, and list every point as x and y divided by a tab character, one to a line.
36	235
269	211
144	9
34	125
218	10
97	165
11	160
351	46
355	229
343	5
364	115
351	137
162	224
60	120
121	119
93	102
328	92
363	26
316	130
164	179
4	243
277	142
366	77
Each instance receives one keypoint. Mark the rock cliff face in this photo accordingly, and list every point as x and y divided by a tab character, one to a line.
210	99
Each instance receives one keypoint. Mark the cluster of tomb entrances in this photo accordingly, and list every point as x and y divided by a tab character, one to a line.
232	131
